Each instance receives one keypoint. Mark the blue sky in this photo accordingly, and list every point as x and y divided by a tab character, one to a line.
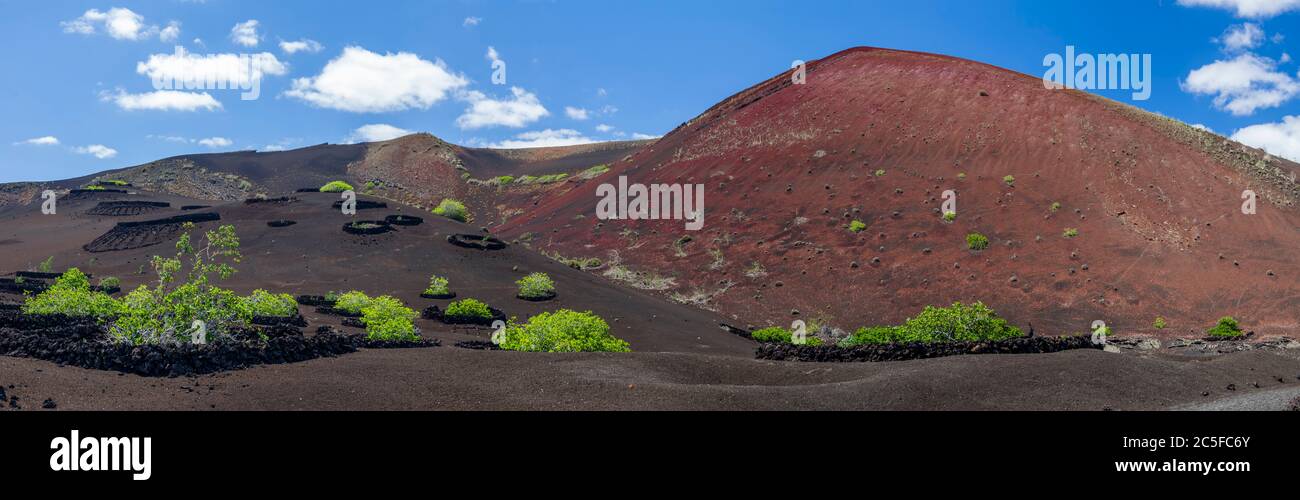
78	96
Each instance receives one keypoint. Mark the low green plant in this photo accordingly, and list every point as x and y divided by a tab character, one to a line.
468	309
1056	207
1010	180
336	187
957	323
46	265
453	210
352	302
880	172
113	182
1226	328
71	295
949	216
387	318
1070	232
593	171
562	331
1160	323
977	241
438	285
857	226
503	179
110	282
961	176
94	187
264	303
782	335
536	286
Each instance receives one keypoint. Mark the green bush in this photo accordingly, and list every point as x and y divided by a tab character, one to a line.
535	286
1070	232
958	323
857	226
949	216
880	172
110	282
352	302
1227	327
47	265
452	209
1056	206
336	187
782	335
94	187
1010	180
1160	322
503	179
468	309
386	318
977	241
562	331
71	295
438	285
114	182
264	303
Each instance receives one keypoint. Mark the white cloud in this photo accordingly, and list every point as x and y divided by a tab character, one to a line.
1281	139
171	33
1247	8
1240	37
1202	126
48	140
472	21
245	33
521	109
603	128
601	92
162	100
493	55
376	132
182	66
639	136
362	81
97	150
119	23
303	45
576	113
544	138
1243	84
216	142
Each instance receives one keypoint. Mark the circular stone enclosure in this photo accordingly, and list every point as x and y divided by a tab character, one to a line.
367	227
476	241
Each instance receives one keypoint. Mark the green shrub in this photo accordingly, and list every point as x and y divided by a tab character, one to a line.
352	302
336	187
536	286
1160	322
961	176
386	318
503	179
880	172
71	295
1227	327
113	182
958	323
1070	232
47	265
452	209
949	216
1056	206
779	334
93	187
593	171
1010	180
977	241
468	309
438	285
562	331
165	312
857	226
264	303
110	282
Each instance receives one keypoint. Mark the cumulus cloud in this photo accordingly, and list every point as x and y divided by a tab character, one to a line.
1243	84
171	33
162	100
1281	139
472	21
362	81
48	140
182	66
639	136
1239	37
544	138
118	23
303	45
97	150
576	113
1255	9
603	128
215	142
518	110
245	33
376	132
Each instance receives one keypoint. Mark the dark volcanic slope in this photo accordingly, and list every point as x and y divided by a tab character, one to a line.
315	256
878	135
